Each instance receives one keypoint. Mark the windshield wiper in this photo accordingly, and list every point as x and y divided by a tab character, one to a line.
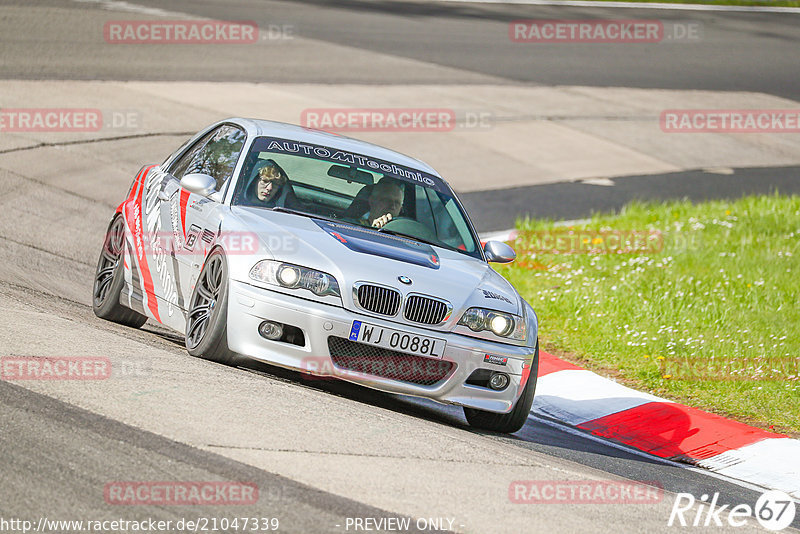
412	237
380	230
415	238
303	213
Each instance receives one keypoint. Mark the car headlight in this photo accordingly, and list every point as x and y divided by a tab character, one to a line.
499	323
291	276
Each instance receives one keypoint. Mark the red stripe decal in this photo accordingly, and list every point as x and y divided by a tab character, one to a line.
184	200
675	431
138	238
125	207
550	364
131	193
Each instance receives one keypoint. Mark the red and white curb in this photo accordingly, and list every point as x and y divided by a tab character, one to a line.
666	429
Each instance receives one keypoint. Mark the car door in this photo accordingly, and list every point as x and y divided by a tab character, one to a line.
193	221
155	283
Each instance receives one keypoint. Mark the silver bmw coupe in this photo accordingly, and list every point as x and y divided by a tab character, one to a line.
327	255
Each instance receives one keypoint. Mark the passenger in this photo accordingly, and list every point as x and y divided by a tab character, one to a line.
272	187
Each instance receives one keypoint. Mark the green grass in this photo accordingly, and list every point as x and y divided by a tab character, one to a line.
771	3
712	319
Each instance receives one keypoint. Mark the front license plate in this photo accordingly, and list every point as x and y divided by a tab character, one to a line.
430	347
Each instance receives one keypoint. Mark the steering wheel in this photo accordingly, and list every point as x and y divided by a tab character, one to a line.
412	227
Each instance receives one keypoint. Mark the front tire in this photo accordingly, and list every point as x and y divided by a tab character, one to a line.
109	279
207	321
514	420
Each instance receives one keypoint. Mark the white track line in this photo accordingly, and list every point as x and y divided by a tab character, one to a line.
636	5
127	7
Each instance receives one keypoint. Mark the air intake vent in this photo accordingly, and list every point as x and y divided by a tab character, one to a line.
425	310
378	299
385	363
207	236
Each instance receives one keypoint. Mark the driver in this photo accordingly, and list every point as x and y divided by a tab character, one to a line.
385	202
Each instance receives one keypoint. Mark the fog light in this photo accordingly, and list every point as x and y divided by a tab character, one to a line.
498	381
270	330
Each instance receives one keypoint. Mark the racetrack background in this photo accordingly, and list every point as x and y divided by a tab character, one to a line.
547	129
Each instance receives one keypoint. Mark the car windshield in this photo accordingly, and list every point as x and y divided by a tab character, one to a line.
344	186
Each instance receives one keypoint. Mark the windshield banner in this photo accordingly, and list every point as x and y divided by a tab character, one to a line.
343	157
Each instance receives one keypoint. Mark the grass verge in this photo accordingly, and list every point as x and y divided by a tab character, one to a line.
769	3
699	303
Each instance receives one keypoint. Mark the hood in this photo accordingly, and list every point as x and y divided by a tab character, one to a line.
355	254
367	241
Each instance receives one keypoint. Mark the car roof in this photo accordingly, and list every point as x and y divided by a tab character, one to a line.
260	127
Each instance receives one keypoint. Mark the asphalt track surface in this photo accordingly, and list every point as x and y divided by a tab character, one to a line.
57	457
192	420
736	52
500	209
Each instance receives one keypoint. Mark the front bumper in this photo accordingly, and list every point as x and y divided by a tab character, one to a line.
249	305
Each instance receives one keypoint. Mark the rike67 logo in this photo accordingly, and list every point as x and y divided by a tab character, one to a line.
774	510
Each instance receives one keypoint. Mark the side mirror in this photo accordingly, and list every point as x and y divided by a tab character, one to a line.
199	183
499	252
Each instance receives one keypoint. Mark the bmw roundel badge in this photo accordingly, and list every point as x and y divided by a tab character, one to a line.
404	279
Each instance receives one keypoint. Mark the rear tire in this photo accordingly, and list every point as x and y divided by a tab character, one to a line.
109	279
514	420
207	321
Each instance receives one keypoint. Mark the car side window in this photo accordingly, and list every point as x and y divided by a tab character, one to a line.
215	154
179	167
450	225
